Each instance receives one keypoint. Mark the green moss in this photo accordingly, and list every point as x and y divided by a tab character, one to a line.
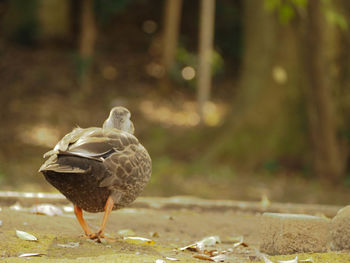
87	251
11	245
316	257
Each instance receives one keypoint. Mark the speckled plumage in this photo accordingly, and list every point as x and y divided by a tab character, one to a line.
90	165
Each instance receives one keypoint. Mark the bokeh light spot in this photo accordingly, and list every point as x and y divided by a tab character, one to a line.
188	73
149	26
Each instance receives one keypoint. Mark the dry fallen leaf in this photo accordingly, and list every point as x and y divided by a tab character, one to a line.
139	240
154	234
240	243
203	257
211	253
46	209
199	246
25	236
192	247
31	255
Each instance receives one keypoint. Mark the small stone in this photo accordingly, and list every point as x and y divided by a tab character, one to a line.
293	233
340	230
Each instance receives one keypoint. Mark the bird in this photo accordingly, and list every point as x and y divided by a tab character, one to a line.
99	169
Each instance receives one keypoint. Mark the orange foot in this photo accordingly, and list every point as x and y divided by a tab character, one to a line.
98	236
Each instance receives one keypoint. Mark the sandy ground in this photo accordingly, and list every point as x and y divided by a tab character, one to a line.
170	229
60	237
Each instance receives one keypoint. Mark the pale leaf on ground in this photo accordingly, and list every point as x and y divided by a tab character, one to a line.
139	240
17	207
46	209
25	236
31	255
208	241
192	247
172	259
202	244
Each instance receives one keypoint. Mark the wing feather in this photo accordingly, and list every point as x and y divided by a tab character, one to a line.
118	150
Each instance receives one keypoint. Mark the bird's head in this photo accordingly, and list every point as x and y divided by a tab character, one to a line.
119	118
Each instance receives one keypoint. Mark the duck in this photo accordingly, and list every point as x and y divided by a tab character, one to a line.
99	169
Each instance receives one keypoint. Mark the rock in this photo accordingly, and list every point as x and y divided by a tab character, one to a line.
340	229
293	233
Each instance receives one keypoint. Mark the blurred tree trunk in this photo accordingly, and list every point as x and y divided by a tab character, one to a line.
326	156
206	40
87	43
343	91
260	43
171	22
282	96
249	117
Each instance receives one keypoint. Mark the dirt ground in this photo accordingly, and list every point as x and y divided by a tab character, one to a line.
172	227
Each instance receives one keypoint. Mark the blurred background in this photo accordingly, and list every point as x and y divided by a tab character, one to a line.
234	99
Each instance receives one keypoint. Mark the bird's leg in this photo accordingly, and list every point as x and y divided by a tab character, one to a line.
108	209
79	214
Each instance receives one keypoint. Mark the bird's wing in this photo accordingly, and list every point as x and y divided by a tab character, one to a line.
52	164
92	143
99	143
68	139
89	143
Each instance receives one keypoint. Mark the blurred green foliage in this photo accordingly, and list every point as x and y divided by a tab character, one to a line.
334	16
106	9
287	10
21	21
